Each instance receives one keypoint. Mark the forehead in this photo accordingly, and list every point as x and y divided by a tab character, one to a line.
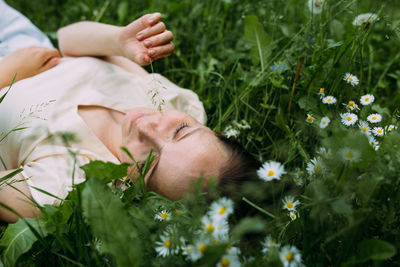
198	153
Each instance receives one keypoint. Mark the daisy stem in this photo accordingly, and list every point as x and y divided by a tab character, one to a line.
258	208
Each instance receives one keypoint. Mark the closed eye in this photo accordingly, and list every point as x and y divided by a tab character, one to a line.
182	126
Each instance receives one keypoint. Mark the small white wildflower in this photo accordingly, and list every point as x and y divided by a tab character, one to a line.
367	99
364	127
351	79
365	19
230	132
271	170
391	127
268	243
229	260
221	209
374	118
290	256
289	203
349	155
315	166
163	216
349	119
351	106
242	125
378	131
326	153
297	177
293	215
165	247
324	122
372	141
196	251
315	6
310	118
217	229
321	92
329	100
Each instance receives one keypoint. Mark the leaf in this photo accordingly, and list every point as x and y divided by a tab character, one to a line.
109	221
10	175
374	249
18	239
105	171
247	225
254	34
122	11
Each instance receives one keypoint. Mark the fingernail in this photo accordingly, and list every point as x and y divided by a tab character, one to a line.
139	36
147	43
152	52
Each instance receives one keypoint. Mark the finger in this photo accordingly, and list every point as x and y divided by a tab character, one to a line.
155	52
49	53
150	31
52	62
159	40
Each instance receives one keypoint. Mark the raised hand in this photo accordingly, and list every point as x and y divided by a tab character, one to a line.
146	39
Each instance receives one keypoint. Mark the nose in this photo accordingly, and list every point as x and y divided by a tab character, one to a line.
150	131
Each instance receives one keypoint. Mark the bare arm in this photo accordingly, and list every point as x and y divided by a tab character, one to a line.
142	41
16	195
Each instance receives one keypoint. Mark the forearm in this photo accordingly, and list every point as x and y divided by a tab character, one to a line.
90	39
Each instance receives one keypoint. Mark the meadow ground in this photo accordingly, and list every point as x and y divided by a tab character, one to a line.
312	93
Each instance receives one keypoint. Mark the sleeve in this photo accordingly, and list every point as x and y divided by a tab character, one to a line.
54	174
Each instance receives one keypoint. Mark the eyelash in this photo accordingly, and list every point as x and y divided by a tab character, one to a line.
182	126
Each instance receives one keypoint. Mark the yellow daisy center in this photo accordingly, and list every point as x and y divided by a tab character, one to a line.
321	90
297	180
215	241
222	211
289	256
301	172
289	205
367	99
379	130
349	155
350	79
324	122
292	216
224	262
210	228
329	100
364	128
348	118
188	249
202	247
271	243
164	215
351	103
309	118
167	244
271	172
374	118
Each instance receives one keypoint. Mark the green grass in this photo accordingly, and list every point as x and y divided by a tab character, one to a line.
224	52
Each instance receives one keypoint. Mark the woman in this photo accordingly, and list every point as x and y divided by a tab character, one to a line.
107	103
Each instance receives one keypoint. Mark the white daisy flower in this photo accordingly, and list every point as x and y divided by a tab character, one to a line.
378	131
221	209
315	6
268	243
163	216
242	125
324	122
351	79
271	170
217	229
365	19
351	106
165	247
315	166
196	251
310	118
329	100
372	141
324	152
391	127
321	92
374	118
230	132
289	203
367	99
349	119
290	256
349	155
293	215
364	127
229	260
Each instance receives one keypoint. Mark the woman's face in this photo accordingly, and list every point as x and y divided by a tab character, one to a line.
186	149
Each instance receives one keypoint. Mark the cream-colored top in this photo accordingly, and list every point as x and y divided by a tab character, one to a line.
47	106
